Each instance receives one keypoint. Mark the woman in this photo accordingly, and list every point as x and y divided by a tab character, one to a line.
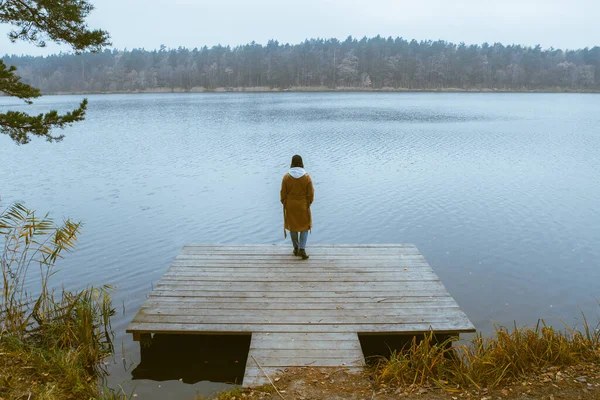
297	195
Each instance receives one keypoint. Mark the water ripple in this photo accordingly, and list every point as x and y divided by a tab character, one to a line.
498	191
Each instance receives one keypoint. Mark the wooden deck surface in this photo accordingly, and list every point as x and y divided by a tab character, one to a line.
300	312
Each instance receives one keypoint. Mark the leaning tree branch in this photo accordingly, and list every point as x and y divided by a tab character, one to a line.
19	125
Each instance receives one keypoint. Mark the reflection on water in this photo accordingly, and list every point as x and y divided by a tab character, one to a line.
498	191
194	358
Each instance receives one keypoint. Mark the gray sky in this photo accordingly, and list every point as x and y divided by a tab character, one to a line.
194	23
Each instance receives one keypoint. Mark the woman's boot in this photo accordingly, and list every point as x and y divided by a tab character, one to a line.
302	253
296	250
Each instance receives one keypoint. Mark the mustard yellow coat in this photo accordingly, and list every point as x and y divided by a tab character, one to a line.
296	196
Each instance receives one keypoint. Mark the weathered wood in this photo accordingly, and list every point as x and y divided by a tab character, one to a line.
320	345
331	261
176	274
229	247
309	361
298	263
311	336
412	253
200	303
300	313
284	314
345	295
306	350
322	286
270	352
195	269
169	296
303	271
297	267
315	319
449	326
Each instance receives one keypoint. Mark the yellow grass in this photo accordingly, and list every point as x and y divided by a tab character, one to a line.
486	362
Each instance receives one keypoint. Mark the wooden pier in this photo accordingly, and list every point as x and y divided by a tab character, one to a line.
300	313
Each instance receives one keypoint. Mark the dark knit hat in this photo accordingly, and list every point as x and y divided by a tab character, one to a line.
297	162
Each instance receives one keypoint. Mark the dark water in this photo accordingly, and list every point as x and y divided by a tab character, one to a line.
500	192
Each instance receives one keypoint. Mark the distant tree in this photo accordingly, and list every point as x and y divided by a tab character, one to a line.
36	21
396	63
347	71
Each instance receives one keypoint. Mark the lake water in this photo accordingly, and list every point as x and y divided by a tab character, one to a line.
500	192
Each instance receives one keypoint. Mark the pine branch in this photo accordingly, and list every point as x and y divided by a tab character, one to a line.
11	84
62	21
19	125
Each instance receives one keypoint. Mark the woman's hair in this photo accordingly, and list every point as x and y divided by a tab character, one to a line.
297	162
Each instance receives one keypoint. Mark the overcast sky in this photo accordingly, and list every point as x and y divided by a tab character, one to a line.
195	23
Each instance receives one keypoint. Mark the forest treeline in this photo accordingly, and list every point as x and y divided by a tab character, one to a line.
368	63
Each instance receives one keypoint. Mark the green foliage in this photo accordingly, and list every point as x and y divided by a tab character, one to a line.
11	84
20	125
29	240
62	21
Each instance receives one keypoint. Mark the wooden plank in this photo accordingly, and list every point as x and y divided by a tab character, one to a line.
273	371
313	261
314	255
340	300
271	351
333	312
308	361
316	246
288	246
330	302
314	258
316	319
284	286
288	286
296	261
200	303
414	328
178	279
338	294
317	254
303	268
190	274
299	267
199	270
310	336
307	351
287	252
303	344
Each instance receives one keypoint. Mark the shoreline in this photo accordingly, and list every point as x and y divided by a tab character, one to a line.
317	89
301	383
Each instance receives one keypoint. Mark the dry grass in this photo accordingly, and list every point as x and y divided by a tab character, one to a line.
486	362
51	345
502	362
